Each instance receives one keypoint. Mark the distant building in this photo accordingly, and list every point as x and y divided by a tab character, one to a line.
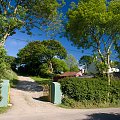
68	74
71	74
93	69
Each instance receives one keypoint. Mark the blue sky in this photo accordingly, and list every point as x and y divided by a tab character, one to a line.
19	40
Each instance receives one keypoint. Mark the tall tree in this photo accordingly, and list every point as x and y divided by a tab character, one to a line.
24	15
72	63
95	24
59	66
36	53
86	60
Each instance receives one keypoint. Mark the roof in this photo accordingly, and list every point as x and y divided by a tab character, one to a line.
66	74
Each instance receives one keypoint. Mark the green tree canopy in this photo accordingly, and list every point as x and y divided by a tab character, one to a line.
95	24
24	15
37	53
59	65
41	51
86	60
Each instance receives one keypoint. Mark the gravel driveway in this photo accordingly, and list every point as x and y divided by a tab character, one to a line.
26	107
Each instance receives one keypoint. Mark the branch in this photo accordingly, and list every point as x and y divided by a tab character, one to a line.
111	43
16	6
4	7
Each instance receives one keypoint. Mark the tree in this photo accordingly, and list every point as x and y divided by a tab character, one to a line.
72	63
24	15
37	53
86	60
95	24
118	50
59	66
11	61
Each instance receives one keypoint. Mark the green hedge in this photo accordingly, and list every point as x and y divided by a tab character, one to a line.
91	90
0	90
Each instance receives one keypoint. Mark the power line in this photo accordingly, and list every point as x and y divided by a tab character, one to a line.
27	41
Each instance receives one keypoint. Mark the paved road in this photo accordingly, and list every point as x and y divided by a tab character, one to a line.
27	107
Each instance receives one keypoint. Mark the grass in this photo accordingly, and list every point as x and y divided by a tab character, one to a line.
3	109
73	104
42	81
13	83
79	105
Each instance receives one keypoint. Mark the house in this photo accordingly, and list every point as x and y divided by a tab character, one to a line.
83	68
111	70
68	74
93	69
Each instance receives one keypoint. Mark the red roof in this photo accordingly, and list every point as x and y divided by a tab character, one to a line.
70	74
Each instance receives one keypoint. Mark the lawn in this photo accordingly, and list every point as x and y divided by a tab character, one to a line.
42	81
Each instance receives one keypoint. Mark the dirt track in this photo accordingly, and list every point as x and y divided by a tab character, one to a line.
27	107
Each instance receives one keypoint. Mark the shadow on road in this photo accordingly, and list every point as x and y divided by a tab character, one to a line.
42	98
104	116
29	86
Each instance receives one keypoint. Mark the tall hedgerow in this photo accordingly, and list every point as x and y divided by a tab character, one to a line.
91	90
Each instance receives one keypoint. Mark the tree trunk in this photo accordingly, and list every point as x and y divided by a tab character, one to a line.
51	67
4	39
108	65
108	73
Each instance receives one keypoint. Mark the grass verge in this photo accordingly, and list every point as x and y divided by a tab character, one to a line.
3	109
42	81
70	103
13	83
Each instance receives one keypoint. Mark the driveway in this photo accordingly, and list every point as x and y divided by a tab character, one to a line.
26	106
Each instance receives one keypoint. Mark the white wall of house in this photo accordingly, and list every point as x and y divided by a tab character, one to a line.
92	69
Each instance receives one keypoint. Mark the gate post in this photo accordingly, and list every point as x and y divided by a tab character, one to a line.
5	93
56	94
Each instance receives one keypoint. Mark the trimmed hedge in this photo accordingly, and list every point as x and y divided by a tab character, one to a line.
91	89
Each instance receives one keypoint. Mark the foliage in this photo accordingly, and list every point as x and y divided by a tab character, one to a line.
115	63
71	63
25	15
5	70
3	65
54	48
37	56
11	61
86	60
59	66
89	26
118	50
3	109
91	90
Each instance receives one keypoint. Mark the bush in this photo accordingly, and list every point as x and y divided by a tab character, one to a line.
5	68
3	65
91	90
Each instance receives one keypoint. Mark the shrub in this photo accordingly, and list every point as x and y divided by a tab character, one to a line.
5	68
92	90
3	65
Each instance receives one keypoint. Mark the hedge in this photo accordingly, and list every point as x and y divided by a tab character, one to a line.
0	90
91	89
